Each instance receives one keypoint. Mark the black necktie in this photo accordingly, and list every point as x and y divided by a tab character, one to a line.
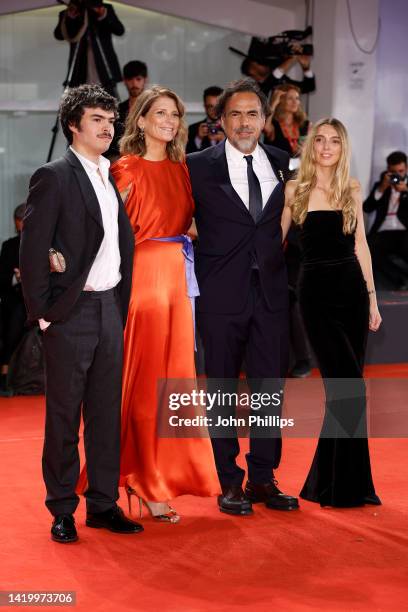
255	193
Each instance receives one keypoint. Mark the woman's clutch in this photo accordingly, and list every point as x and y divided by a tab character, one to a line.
57	261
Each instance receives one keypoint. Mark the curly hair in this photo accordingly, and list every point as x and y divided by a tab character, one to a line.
76	99
132	141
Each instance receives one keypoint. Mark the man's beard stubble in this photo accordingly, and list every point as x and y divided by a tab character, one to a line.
246	145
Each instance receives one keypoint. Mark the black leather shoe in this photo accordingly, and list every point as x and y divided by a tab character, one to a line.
63	529
233	501
114	520
271	496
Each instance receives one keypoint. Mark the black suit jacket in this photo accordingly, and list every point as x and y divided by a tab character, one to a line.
228	237
101	32
381	207
63	212
9	260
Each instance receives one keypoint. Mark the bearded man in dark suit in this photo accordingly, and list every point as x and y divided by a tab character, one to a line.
238	188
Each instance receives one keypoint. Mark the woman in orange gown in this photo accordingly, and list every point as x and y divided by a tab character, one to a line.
159	337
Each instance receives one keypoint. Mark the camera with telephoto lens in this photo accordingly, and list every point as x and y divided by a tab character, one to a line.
287	44
273	50
395	178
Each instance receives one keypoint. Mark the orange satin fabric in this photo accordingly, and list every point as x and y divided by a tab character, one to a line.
159	337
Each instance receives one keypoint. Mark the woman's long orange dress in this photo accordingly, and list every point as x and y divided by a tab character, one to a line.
159	335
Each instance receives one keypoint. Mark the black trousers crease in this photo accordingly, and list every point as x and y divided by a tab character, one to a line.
261	338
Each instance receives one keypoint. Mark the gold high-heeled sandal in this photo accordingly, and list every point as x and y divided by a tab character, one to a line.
129	493
169	517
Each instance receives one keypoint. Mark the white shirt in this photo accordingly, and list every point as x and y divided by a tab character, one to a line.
105	271
237	168
391	221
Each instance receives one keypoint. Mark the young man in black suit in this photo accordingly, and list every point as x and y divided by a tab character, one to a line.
238	187
74	208
389	232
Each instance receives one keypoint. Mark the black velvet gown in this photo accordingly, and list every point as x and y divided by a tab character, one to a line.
335	306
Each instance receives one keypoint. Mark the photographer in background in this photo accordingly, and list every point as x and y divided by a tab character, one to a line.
88	26
269	77
388	235
135	78
208	132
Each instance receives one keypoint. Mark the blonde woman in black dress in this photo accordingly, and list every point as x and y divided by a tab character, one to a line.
339	306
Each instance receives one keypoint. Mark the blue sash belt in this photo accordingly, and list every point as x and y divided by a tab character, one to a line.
191	280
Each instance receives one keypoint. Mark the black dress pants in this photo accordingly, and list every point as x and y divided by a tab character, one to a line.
260	337
83	357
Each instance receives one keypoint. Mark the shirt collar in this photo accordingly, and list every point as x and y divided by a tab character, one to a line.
103	163
237	157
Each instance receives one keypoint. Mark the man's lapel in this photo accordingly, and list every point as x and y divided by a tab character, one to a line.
280	175
222	177
112	182
221	173
87	190
279	172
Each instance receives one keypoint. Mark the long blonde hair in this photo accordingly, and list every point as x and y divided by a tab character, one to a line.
340	194
133	141
300	115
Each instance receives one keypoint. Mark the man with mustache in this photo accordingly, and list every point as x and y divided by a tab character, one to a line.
80	302
238	187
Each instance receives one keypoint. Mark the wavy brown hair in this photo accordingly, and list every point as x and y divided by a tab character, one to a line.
340	194
132	141
300	115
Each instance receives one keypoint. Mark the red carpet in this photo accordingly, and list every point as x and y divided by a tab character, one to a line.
313	559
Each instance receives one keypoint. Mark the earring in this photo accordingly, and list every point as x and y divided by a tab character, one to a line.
141	134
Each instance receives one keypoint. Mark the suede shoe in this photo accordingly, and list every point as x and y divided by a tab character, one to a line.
271	496
63	529
114	520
